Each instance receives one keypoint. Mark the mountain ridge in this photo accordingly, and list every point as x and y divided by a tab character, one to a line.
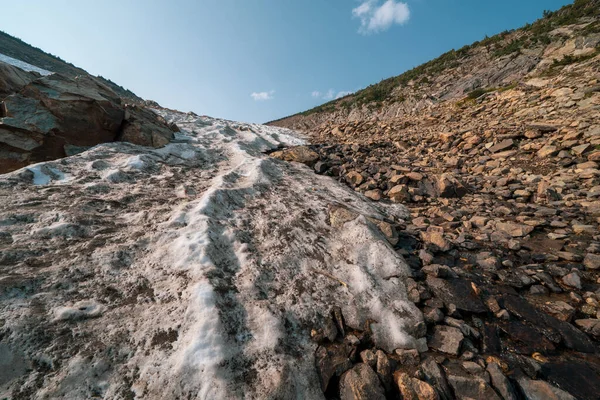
523	48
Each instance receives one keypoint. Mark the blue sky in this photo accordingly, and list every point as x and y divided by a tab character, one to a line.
256	60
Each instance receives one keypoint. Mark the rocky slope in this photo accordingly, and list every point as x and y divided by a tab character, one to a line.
494	149
433	237
545	48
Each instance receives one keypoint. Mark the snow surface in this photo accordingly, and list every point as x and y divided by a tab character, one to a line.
190	271
23	65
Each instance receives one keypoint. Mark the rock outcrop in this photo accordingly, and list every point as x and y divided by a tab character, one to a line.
49	117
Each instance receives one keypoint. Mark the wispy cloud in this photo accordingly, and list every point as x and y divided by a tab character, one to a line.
330	94
262	96
341	94
376	17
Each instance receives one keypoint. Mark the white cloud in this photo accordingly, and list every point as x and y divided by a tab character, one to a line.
262	96
330	94
376	18
341	94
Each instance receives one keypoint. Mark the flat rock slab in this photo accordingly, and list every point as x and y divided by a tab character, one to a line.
554	329
458	292
580	378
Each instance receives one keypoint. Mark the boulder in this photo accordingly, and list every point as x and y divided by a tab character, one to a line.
446	339
448	186
54	111
13	79
457	292
501	382
514	229
435	376
361	383
467	386
146	128
540	390
301	154
332	361
592	261
414	389
589	326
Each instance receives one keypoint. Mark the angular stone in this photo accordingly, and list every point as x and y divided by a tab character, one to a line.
354	178
300	154
514	229
592	261
399	194
547	151
589	326
361	383
448	186
374	195
435	376
434	235
500	146
339	215
446	339
332	361
414	389
540	390
501	382
458	292
467	386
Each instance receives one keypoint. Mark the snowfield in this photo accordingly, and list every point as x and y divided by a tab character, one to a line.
192	271
23	65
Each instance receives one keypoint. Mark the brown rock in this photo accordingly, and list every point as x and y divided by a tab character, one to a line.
592	261
13	79
447	185
500	146
361	383
354	178
446	339
54	111
301	154
374	195
547	151
145	128
435	235
414	389
514	229
399	194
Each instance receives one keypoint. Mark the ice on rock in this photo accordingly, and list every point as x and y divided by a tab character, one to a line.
210	261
